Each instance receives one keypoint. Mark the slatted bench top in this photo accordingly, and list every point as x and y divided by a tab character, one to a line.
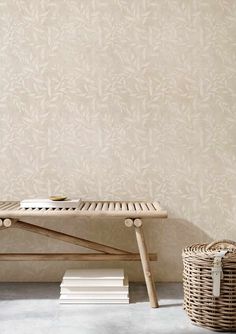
12	209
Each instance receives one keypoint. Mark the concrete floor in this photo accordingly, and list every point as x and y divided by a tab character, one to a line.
33	308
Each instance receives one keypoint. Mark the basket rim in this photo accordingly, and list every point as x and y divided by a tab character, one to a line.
210	249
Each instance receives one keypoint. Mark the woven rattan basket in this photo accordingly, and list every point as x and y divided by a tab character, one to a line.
210	284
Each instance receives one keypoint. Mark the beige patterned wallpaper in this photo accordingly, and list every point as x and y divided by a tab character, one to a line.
119	99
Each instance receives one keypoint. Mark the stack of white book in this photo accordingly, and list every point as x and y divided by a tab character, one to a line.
96	286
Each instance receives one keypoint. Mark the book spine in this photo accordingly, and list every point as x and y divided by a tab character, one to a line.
93	291
94	301
94	296
92	282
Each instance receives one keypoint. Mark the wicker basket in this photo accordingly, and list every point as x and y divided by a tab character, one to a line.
210	284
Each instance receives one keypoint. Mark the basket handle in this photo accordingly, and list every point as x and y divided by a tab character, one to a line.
221	244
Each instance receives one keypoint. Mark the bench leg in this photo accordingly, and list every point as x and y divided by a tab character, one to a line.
152	294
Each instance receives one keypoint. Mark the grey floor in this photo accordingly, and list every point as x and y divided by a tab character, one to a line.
34	308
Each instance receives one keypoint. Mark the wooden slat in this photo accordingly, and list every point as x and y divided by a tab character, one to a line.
111	206
63	210
131	207
157	206
105	206
56	210
117	206
137	206
14	205
99	206
86	206
36	209
150	207
81	204
92	206
6	205
144	207
124	206
72	257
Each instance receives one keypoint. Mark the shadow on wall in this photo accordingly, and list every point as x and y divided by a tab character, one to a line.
166	237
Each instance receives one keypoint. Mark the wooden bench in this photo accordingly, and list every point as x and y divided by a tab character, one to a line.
133	213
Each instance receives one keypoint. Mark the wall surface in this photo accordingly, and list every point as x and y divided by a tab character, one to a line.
119	99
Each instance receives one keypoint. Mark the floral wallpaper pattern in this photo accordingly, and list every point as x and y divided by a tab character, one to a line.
120	99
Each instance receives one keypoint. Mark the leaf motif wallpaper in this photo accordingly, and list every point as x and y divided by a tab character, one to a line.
119	99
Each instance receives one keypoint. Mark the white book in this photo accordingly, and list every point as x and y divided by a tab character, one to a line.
74	289
94	301
47	203
94	296
95	289
94	277
97	273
